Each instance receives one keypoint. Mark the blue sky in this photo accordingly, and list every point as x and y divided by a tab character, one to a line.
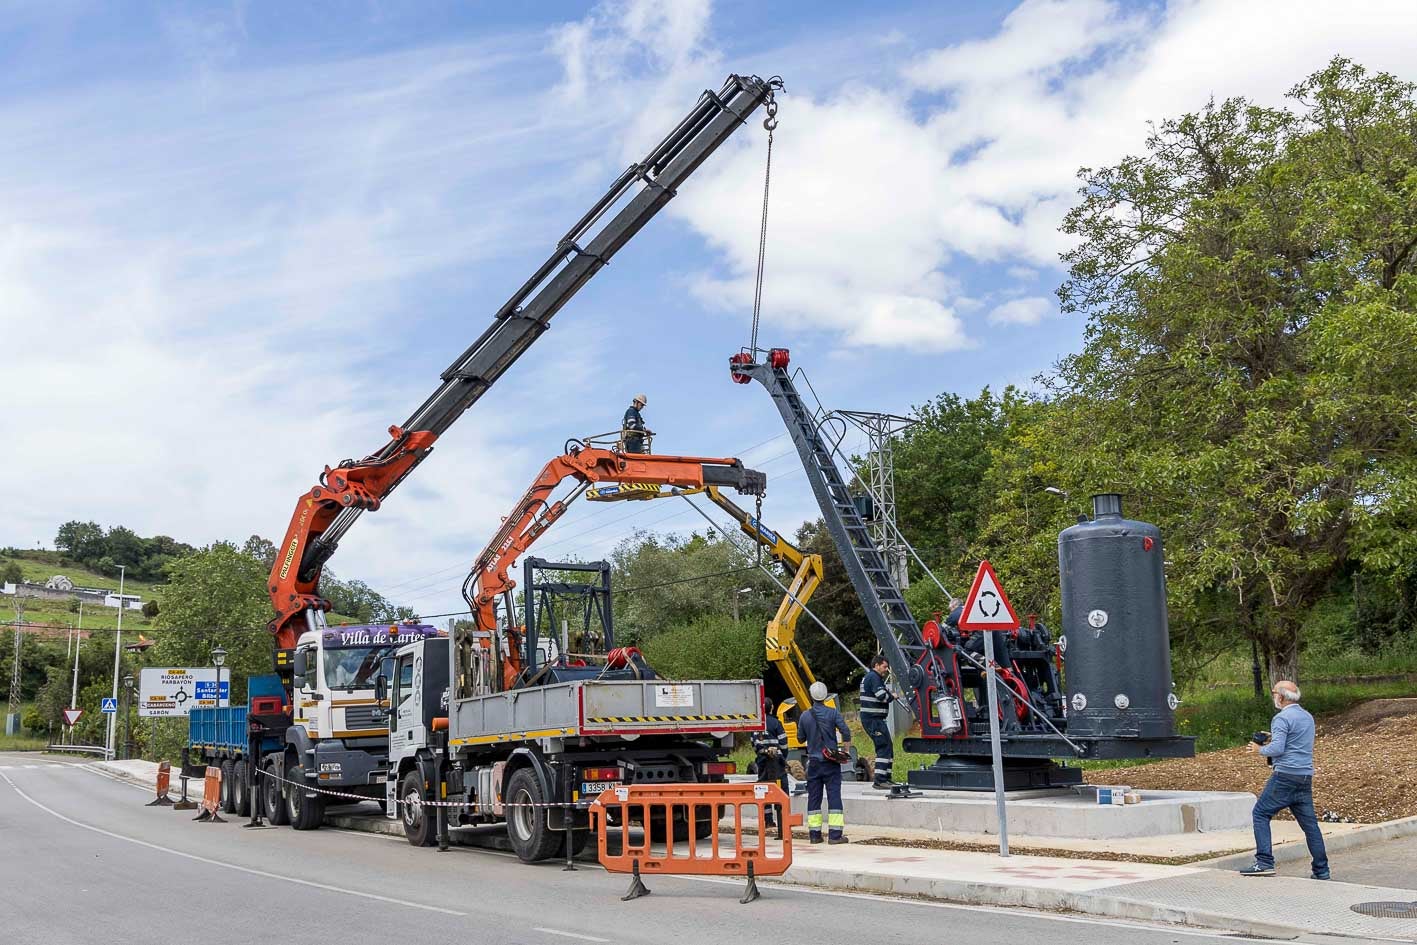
237	241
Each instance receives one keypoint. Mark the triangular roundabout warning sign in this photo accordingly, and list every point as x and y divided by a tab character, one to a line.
987	607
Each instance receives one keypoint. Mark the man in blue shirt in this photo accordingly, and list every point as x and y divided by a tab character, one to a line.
875	706
1290	750
819	727
632	428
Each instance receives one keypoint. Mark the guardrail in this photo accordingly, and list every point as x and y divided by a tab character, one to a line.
90	749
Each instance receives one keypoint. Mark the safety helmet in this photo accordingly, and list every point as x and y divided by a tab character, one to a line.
640	399
818	691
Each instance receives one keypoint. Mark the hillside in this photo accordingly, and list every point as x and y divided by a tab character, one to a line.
40	566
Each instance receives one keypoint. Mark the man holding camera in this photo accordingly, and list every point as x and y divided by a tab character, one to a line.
1289	747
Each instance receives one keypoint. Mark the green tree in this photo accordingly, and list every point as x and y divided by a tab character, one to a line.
711	647
81	540
216	596
1247	374
11	573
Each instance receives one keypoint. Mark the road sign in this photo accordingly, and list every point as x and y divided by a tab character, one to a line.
71	716
109	706
176	691
987	607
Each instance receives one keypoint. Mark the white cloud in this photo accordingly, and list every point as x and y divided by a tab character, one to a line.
1026	311
970	151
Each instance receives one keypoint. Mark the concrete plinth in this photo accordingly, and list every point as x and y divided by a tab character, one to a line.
1066	813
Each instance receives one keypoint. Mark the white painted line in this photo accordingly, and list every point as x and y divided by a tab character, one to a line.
230	866
583	938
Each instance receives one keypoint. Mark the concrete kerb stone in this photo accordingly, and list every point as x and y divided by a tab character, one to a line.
1295	850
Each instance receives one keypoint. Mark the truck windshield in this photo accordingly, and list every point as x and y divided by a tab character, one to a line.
353	668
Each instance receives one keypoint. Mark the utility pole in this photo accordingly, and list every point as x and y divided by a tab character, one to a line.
881	430
117	656
12	714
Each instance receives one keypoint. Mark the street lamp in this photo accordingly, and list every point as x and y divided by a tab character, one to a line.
128	716
1054	490
741	590
117	655
218	660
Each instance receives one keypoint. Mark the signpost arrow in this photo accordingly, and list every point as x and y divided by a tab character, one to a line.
71	716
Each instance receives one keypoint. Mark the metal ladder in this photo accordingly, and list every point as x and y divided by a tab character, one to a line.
891	620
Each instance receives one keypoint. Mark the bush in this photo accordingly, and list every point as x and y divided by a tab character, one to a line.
150	609
712	647
11	573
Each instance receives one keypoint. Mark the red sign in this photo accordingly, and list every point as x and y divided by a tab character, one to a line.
987	607
71	716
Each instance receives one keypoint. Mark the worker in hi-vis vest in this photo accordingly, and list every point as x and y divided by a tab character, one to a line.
819	727
876	701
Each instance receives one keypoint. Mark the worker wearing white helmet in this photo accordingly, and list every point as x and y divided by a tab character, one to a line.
825	733
632	428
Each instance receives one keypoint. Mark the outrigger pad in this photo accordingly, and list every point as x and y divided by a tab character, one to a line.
901	791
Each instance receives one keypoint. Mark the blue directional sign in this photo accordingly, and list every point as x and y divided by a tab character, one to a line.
206	691
109	706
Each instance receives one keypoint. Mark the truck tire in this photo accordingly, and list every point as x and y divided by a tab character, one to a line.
304	813
420	824
273	797
532	839
228	802
579	840
239	794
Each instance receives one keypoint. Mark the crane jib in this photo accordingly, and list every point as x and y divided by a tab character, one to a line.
582	252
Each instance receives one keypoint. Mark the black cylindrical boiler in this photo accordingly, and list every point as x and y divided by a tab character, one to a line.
1117	656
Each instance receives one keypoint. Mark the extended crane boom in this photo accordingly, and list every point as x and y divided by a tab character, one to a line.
324	514
490	576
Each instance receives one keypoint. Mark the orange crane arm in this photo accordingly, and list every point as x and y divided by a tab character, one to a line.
535	513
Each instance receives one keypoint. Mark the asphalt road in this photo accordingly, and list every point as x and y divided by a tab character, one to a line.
1390	863
83	861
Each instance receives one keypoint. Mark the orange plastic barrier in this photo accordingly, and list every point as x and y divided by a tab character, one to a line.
211	797
693	829
164	782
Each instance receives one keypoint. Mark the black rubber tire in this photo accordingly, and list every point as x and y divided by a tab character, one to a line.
304	813
241	798
273	797
704	821
532	838
227	802
420	824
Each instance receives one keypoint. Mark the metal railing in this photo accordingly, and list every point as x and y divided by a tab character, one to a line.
89	749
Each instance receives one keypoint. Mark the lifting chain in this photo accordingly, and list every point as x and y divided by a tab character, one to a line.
770	123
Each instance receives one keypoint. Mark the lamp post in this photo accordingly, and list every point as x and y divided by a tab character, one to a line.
117	655
128	716
218	660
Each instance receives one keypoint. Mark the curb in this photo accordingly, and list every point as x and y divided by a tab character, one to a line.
1295	850
1049	900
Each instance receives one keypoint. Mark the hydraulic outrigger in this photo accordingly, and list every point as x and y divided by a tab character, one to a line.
325	513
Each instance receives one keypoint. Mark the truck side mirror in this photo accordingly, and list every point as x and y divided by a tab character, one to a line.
300	667
381	687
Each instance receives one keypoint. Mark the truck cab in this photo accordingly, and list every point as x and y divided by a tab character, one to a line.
339	738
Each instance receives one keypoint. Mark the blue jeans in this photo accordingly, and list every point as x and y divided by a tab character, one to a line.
1296	793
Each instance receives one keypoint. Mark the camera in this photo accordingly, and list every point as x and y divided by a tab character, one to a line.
1260	738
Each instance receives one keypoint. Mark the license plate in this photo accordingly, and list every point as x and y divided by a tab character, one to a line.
595	787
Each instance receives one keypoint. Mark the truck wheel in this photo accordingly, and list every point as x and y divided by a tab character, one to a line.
304	813
239	793
228	803
420	824
273	797
704	821
532	839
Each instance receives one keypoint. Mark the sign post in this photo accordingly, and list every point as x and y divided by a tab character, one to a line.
987	609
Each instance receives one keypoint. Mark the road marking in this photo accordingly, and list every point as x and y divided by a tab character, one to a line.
230	866
584	938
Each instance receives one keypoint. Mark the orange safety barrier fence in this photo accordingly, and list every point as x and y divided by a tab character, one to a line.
694	830
211	797
164	782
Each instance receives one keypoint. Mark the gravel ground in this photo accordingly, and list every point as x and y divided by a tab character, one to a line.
1366	760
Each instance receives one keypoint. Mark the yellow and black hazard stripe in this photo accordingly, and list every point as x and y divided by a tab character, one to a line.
623	719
